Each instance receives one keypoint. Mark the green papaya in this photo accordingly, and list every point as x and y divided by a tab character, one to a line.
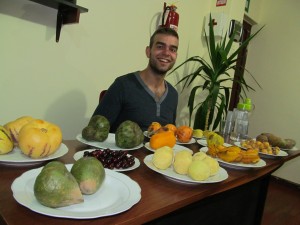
97	129
129	135
59	166
56	187
89	173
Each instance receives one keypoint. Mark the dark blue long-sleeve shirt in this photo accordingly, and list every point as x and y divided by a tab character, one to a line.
128	98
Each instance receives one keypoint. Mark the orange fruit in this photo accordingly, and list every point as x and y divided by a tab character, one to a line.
184	134
154	126
171	127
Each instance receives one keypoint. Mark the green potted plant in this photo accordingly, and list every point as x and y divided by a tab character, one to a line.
214	72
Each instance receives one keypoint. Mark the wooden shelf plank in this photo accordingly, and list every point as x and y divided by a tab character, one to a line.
55	4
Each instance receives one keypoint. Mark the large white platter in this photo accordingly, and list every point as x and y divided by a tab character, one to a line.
176	148
117	194
17	158
170	173
266	155
108	143
237	165
137	163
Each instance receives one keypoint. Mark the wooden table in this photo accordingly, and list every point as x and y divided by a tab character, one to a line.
237	200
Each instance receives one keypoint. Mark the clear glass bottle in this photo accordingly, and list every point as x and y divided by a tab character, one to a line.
241	121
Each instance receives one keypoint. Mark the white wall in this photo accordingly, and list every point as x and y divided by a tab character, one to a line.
273	59
255	10
60	82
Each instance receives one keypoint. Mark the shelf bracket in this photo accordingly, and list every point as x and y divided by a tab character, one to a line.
68	12
66	15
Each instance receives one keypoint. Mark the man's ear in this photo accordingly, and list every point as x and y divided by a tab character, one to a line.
148	51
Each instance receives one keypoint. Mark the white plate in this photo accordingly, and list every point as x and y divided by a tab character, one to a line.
192	141
108	143
238	143
292	149
259	164
176	148
280	153
17	158
197	138
202	142
283	149
117	194
137	163
170	173
146	134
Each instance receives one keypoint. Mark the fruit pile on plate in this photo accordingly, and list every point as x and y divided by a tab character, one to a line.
263	147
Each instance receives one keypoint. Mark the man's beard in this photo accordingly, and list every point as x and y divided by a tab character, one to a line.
153	65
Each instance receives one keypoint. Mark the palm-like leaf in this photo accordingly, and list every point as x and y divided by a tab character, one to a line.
214	73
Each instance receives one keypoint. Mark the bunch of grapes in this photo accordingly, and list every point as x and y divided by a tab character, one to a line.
112	159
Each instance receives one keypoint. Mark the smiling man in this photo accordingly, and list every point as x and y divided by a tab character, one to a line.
145	96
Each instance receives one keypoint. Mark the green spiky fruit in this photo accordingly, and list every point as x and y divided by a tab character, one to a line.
129	135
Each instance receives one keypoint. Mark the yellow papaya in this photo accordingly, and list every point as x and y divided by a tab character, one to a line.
16	125
6	142
163	139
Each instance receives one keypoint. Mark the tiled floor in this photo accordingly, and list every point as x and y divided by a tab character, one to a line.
282	204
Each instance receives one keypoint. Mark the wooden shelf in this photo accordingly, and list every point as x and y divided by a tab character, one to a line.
68	12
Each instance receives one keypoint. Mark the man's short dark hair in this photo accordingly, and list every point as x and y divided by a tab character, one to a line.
163	30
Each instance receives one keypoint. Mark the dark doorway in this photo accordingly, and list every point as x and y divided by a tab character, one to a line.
240	65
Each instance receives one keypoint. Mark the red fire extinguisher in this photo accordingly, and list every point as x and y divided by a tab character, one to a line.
172	18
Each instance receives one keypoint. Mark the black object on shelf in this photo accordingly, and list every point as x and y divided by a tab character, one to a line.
68	12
